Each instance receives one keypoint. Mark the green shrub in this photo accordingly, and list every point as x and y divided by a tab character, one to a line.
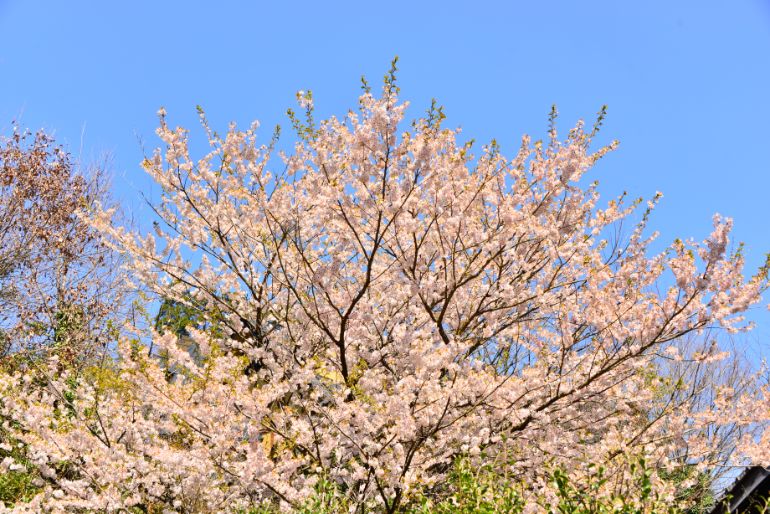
482	490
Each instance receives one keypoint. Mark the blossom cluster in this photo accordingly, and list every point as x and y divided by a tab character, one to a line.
386	304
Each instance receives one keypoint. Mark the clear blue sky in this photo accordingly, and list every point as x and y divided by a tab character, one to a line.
687	82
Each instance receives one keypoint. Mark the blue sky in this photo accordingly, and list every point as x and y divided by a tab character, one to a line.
687	83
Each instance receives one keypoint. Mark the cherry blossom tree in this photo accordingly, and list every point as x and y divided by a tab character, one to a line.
384	305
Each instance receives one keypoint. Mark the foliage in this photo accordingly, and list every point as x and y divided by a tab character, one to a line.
59	287
469	490
16	481
482	490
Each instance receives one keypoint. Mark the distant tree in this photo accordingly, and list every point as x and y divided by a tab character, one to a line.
58	279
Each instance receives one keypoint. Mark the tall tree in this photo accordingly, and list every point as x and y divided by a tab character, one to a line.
58	280
399	304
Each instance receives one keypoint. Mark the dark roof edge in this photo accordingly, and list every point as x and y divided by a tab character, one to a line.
743	488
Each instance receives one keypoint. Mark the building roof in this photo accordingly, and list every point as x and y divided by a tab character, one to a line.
749	493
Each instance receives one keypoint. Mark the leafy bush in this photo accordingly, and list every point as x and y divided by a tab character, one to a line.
482	490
